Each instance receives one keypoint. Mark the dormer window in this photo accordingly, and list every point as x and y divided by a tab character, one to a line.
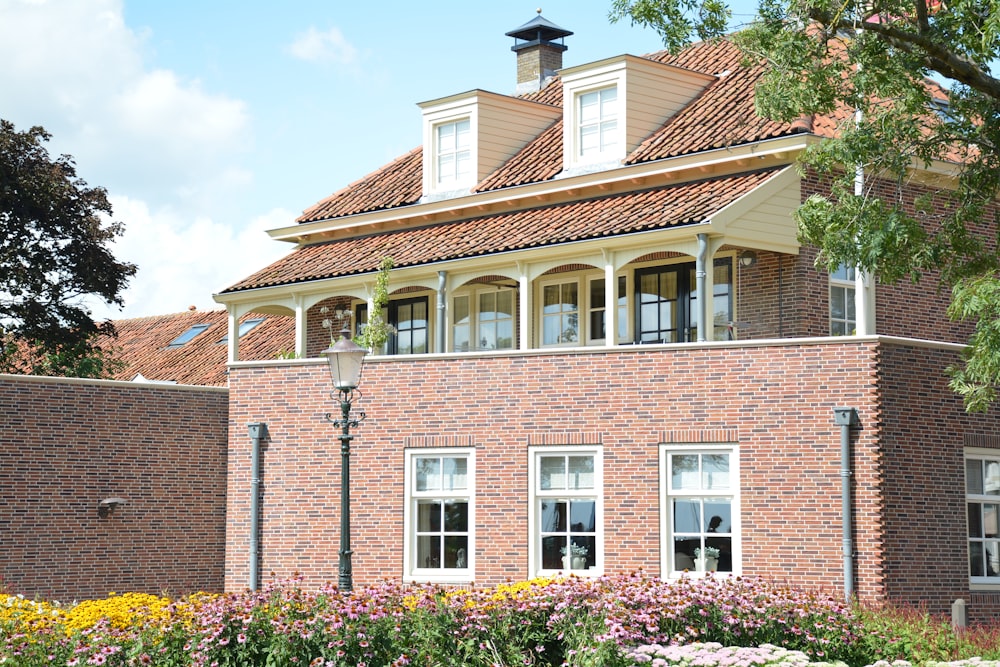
597	114
453	147
612	105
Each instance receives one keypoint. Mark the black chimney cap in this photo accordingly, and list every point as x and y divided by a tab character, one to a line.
538	30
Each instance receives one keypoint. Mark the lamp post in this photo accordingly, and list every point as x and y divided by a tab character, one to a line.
345	359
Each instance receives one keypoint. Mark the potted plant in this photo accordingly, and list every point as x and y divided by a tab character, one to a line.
707	559
576	559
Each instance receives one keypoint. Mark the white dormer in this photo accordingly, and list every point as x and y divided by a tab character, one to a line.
468	136
610	106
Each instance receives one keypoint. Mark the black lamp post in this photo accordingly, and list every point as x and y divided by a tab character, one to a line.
345	359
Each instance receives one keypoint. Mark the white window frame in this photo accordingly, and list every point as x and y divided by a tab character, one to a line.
411	570
842	280
606	127
536	495
622	301
987	583
454	178
473	297
581	310
668	568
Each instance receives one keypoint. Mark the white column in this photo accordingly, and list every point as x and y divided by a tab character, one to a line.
864	303
610	300
301	328
526	317
233	341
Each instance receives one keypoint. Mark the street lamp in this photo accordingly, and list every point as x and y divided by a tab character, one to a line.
345	358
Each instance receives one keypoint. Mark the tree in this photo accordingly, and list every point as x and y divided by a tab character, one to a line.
54	236
869	61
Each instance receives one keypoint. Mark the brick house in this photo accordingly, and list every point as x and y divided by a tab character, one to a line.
610	353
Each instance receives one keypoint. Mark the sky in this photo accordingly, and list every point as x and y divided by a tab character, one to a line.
211	121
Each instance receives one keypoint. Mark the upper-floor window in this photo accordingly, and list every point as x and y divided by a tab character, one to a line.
439	514
453	146
982	492
843	321
597	323
408	318
567	505
667	305
597	122
561	313
701	508
483	320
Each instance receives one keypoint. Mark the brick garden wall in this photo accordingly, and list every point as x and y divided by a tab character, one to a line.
776	402
67	444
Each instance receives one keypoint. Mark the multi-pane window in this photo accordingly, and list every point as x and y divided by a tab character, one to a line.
567	506
489	325
439	514
408	318
561	313
667	302
982	491
454	153
597	122
701	494
596	308
843	321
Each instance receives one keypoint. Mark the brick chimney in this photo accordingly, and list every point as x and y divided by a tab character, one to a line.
538	54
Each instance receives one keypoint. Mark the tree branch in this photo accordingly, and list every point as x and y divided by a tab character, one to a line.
935	56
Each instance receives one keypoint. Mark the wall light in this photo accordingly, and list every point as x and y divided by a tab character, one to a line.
109	505
748	258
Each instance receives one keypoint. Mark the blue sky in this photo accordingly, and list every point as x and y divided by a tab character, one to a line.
210	122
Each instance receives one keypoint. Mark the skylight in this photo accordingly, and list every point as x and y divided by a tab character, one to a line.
188	335
245	327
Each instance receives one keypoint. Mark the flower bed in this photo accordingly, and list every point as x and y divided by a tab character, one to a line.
619	620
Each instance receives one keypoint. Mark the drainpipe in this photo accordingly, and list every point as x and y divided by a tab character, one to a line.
257	432
846	418
700	273
441	297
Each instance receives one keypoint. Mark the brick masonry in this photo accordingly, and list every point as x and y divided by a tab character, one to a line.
775	401
67	444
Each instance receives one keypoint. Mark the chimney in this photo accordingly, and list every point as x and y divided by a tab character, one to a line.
538	55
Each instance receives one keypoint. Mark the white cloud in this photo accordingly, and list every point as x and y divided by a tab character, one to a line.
183	261
78	70
324	47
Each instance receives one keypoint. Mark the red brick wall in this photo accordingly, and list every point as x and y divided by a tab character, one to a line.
925	430
776	402
67	444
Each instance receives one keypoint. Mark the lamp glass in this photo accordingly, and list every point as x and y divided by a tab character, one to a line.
345	359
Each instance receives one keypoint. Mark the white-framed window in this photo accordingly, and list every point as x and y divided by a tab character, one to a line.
597	122
439	514
453	152
700	514
982	493
566	521
597	322
843	321
484	320
561	313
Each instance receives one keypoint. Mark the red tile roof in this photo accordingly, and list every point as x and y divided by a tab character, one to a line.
142	344
722	116
613	215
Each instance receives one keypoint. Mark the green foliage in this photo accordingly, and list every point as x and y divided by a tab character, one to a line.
868	62
54	238
376	332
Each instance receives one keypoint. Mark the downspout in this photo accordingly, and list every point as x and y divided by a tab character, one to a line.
700	272
257	431
441	303
846	418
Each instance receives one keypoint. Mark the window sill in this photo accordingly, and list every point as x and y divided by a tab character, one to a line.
436	577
